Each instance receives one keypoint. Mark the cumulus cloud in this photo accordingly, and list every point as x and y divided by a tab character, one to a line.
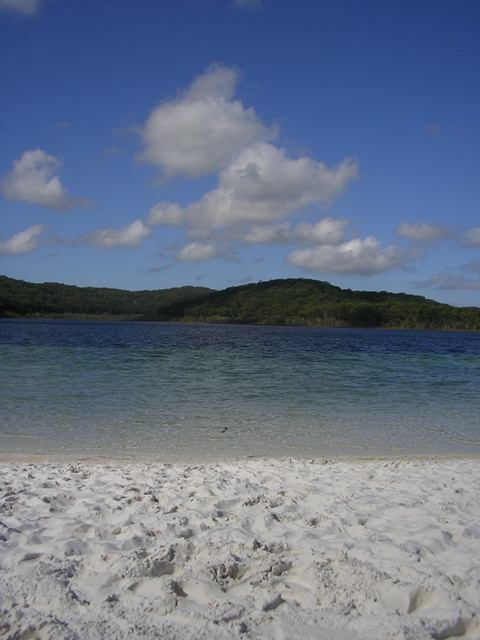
22	242
33	180
268	234
472	237
263	184
325	231
25	7
129	236
423	233
166	213
198	251
363	256
203	129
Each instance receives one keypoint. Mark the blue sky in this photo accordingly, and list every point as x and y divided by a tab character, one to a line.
152	144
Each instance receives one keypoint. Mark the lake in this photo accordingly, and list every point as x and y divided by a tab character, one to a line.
212	392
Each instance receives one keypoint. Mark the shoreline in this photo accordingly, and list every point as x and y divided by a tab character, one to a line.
99	459
326	549
213	323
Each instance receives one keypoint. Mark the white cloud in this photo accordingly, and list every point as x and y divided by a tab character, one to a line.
129	236
202	130
472	237
33	180
423	232
262	185
217	82
25	7
359	256
22	242
197	251
325	231
166	213
268	234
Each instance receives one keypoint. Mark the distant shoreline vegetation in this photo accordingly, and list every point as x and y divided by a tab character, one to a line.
292	301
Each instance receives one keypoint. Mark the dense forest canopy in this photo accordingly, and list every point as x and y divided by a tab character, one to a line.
289	301
53	300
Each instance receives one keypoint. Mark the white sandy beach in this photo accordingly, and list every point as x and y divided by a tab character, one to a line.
256	549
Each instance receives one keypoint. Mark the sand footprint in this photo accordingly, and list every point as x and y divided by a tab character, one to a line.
460	628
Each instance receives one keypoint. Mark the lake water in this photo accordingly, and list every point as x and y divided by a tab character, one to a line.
187	392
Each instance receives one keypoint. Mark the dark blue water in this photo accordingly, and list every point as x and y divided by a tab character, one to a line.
169	391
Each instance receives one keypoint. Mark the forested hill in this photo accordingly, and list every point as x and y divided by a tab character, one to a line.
312	302
53	300
290	301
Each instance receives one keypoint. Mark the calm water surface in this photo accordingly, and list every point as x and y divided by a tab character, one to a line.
169	391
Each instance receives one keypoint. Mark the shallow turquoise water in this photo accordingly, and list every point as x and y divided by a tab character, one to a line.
169	391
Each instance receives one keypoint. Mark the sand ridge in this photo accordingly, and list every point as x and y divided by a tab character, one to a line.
255	549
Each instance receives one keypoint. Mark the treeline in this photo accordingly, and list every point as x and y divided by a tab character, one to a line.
294	301
312	302
53	300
